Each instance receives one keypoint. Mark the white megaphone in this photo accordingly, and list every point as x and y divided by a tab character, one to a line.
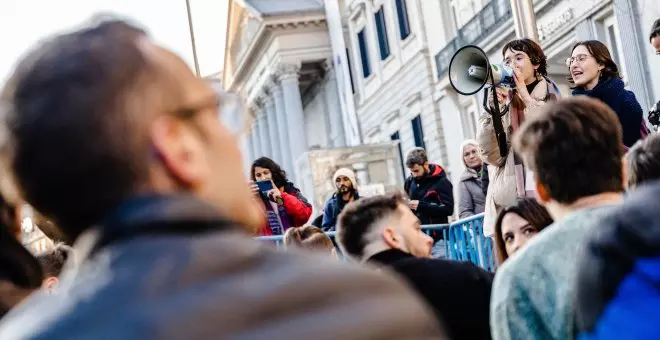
469	72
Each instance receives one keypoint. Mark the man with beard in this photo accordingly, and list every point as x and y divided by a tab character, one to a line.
430	192
346	186
429	189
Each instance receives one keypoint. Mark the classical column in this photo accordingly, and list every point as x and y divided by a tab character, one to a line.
262	123
334	108
288	78
271	119
254	141
634	53
282	125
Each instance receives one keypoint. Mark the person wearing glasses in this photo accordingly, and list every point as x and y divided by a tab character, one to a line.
594	73
654	37
532	90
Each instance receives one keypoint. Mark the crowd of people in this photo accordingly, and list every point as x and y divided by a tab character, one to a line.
162	220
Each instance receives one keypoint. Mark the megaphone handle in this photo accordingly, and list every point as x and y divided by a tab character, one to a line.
496	116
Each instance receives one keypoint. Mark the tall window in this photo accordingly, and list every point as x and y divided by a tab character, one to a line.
381	29
395	137
614	43
350	70
402	14
364	54
418	132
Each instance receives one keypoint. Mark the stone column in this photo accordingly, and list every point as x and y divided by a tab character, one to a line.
254	140
288	78
271	119
284	145
334	108
262	123
633	40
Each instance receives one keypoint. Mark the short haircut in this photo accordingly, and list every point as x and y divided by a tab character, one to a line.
533	50
643	161
574	147
527	208
359	217
73	114
53	261
307	238
655	30
416	156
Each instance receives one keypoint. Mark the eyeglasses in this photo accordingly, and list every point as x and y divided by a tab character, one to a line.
519	58
229	106
580	58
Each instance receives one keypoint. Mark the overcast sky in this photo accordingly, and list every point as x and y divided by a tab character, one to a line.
25	22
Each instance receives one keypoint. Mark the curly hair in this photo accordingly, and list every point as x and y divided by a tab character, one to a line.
279	175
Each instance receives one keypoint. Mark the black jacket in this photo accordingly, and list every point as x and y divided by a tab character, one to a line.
459	292
435	195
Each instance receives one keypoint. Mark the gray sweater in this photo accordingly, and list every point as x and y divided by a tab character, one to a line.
533	292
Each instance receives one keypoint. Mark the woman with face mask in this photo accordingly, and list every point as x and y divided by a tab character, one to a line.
507	175
594	73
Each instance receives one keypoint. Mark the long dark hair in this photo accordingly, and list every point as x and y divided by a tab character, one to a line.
601	53
527	208
279	175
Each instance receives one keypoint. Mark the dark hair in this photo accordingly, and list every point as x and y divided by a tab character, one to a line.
416	156
601	53
53	261
358	217
655	30
71	111
308	238
643	161
527	208
533	50
574	147
279	175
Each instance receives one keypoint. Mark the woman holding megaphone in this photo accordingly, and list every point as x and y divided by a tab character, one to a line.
509	178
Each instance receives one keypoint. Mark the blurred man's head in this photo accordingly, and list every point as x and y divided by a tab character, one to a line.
52	263
344	179
417	162
575	150
371	225
654	37
98	115
643	161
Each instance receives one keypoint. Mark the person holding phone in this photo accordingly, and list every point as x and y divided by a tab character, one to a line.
284	204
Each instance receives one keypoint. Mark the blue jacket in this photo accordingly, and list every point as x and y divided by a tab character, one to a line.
611	92
618	285
333	206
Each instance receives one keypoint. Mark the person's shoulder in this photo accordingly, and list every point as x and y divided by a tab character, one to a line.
441	270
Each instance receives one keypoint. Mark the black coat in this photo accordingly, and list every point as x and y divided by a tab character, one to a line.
459	292
435	194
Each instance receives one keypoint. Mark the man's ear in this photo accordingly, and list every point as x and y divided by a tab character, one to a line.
179	148
391	238
542	192
50	282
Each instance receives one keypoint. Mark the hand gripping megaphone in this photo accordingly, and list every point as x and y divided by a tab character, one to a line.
469	72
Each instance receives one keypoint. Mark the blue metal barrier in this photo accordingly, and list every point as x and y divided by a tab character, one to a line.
464	241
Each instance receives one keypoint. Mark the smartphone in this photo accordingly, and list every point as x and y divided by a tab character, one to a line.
265	186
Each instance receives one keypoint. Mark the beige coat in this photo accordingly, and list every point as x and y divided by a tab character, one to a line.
507	181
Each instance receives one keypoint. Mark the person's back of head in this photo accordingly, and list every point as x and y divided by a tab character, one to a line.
643	161
131	119
52	263
309	238
379	223
574	148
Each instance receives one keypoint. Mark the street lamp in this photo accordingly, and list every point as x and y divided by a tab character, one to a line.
192	38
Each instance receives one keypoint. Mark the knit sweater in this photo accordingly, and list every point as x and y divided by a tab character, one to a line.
533	292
